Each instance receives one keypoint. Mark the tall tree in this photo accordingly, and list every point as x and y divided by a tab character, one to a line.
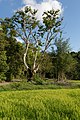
37	36
14	53
64	61
3	58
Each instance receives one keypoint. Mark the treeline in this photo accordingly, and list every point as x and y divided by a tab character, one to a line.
11	55
57	64
36	57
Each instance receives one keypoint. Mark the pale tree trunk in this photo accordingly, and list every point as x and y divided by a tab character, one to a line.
35	67
31	72
25	54
26	65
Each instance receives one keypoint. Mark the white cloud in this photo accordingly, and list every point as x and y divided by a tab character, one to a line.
29	2
44	6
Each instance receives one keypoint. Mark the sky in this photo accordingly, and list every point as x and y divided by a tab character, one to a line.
68	8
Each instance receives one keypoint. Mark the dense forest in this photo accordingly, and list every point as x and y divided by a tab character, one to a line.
51	59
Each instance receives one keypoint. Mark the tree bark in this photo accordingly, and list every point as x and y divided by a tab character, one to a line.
25	54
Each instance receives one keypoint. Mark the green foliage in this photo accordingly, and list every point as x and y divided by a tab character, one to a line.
29	86
14	52
3	57
51	19
36	35
63	60
40	105
75	74
39	84
41	36
38	80
46	66
11	57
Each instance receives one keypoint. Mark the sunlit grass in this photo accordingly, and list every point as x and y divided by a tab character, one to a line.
74	81
60	104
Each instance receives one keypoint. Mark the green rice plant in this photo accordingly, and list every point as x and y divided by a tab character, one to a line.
59	104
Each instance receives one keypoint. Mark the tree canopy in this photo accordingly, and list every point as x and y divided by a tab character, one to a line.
35	54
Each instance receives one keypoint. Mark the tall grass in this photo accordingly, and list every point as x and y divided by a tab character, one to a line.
31	86
60	104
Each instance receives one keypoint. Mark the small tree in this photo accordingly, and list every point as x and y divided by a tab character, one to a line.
37	36
64	61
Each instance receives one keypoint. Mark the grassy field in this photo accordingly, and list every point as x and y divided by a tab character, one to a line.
59	104
49	84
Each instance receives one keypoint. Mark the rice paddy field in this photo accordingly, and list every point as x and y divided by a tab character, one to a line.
57	104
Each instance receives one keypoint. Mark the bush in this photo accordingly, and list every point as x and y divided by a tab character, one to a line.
38	80
2	76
